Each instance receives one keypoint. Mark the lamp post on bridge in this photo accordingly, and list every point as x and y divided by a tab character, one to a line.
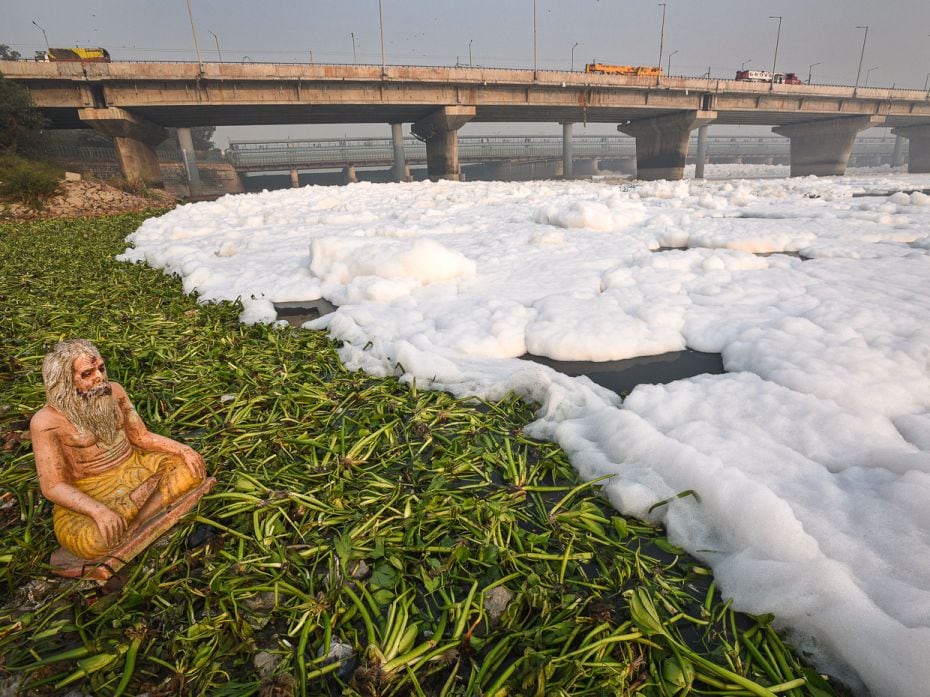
869	72
662	34
810	69
861	53
775	57
48	49
218	52
534	40
469	52
354	52
190	14
573	56
742	66
381	29
668	70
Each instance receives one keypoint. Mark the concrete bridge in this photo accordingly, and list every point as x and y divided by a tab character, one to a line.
131	102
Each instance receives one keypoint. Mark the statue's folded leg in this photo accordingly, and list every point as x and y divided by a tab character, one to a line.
140	488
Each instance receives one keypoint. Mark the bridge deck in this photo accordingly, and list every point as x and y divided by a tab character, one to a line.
226	94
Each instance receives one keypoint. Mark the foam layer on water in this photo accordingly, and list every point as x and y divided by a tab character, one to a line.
810	457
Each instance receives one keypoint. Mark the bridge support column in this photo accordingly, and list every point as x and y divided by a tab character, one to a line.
822	148
897	156
662	142
440	131
588	167
401	172
567	150
701	153
349	173
190	160
135	140
295	178
918	158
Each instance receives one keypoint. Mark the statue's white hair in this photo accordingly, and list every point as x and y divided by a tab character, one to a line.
98	414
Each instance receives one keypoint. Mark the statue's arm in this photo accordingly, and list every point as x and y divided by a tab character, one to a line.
56	487
140	437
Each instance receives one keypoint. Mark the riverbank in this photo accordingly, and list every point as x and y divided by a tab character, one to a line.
365	538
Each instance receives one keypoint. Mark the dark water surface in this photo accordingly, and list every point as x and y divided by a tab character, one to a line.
622	376
300	311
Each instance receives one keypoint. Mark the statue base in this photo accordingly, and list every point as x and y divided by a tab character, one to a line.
102	568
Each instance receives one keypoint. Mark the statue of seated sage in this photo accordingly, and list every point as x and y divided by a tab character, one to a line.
115	486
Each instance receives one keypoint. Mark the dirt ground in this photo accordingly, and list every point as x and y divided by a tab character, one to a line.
87	198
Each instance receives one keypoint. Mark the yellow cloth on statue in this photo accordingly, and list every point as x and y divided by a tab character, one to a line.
79	533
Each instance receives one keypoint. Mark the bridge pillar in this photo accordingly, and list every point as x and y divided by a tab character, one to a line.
349	173
190	160
295	178
588	167
701	153
567	150
662	142
401	172
440	131
918	158
897	156
135	140
822	148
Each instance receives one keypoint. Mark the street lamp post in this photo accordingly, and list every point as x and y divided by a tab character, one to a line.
534	39
354	52
662	33
668	70
742	66
216	39
190	15
810	69
573	56
862	52
777	37
311	57
48	49
869	72
381	29
469	52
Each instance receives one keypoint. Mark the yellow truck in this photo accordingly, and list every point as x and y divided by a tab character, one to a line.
635	70
74	55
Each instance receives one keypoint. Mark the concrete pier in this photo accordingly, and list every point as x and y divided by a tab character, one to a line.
440	132
897	156
701	153
190	161
567	150
822	148
662	142
918	158
588	167
349	174
135	140
401	172
295	178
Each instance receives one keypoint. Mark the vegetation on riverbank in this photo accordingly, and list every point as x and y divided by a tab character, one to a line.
366	537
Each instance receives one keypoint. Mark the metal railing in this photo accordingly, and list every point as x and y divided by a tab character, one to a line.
310	154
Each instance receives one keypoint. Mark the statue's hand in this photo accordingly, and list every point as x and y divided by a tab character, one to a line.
111	524
194	462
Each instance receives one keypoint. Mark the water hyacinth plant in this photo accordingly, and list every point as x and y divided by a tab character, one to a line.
366	537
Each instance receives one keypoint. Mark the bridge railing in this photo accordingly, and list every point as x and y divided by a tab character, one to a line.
379	151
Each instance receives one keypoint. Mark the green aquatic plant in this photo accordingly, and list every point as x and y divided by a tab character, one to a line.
366	537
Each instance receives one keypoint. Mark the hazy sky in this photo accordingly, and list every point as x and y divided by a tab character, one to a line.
720	35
